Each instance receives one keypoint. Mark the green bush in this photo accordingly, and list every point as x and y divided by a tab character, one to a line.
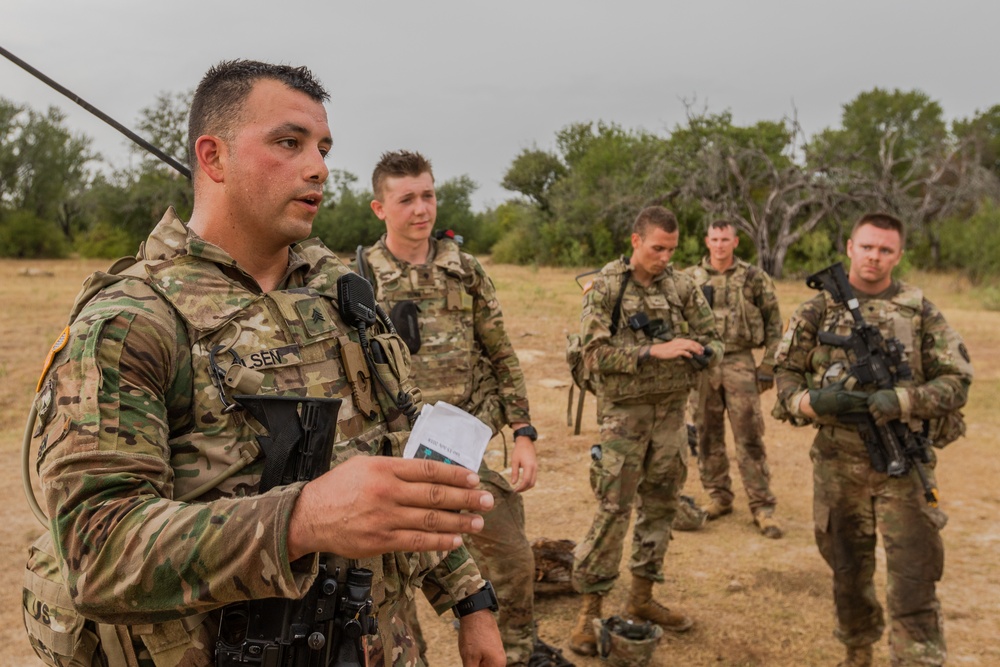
519	226
814	251
990	299
973	245
497	222
690	250
24	235
515	247
106	240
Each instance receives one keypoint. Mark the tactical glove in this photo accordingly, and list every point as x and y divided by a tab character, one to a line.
765	377
835	400
884	406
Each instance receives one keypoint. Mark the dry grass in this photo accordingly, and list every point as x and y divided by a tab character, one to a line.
756	601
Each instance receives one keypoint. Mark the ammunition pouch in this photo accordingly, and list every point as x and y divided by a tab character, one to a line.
946	430
60	635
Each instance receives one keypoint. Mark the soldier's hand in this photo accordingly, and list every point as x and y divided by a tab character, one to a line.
523	464
765	378
479	641
835	400
884	406
371	505
678	348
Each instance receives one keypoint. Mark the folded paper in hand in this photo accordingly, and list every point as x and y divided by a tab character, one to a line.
446	433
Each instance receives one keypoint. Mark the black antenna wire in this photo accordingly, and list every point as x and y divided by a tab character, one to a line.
184	171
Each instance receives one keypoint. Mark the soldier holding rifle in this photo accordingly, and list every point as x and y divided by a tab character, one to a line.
858	488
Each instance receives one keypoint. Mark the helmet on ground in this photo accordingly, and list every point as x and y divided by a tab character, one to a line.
689	516
624	643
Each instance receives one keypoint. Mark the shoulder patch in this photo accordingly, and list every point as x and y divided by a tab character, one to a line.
56	346
589	285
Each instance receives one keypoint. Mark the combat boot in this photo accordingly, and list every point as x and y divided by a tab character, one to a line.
583	640
641	605
769	526
858	656
717	508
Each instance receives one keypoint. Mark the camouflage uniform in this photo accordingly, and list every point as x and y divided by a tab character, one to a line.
850	500
466	359
747	317
131	396
641	413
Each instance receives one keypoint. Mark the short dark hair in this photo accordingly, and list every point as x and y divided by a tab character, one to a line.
882	221
654	216
721	224
218	102
394	164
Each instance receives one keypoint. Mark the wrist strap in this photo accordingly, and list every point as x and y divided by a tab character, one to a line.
484	598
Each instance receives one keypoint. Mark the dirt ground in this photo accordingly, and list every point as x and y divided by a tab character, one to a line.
756	602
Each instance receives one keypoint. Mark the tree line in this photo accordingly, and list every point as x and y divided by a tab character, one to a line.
792	197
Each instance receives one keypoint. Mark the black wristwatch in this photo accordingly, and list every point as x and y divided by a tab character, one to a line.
528	430
484	598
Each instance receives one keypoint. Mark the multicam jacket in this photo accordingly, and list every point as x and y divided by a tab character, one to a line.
465	356
671	298
939	360
130	420
745	305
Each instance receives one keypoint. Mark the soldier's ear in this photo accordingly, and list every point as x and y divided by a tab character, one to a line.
378	209
213	156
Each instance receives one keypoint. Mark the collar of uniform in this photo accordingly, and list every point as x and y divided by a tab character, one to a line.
443	253
174	251
706	263
619	266
172	239
297	264
446	254
663	275
888	294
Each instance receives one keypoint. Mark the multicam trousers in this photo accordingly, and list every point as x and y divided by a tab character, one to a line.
643	459
850	503
732	387
504	556
406	652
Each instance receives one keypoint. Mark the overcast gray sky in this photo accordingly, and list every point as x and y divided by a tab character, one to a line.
471	84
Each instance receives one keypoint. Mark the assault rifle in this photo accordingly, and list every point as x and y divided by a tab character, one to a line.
324	628
894	448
